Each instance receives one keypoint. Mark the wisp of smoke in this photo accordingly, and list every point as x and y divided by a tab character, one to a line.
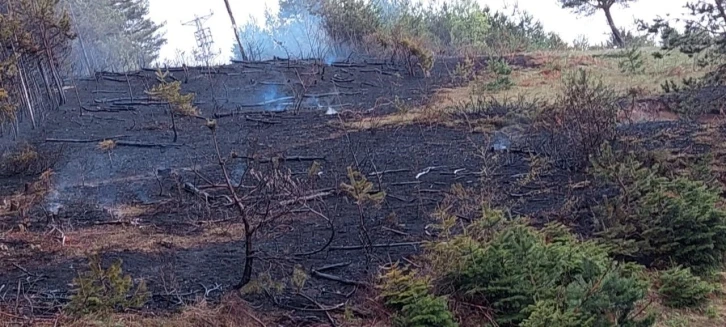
299	36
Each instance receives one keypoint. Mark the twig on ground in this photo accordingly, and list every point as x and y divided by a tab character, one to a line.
360	247
333	266
341	280
324	309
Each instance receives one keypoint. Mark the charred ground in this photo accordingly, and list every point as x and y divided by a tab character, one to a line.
130	202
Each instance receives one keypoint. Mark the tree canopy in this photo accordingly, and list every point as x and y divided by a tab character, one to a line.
590	7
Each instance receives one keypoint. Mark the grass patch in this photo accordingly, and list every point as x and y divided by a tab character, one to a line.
543	81
541	84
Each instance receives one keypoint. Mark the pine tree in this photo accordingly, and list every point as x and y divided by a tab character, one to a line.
113	35
34	35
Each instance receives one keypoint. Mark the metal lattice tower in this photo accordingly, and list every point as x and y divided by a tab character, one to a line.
204	52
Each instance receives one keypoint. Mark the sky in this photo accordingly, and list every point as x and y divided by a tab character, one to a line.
568	25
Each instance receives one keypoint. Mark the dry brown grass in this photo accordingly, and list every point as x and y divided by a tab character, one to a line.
118	237
106	145
21	202
543	83
437	111
231	312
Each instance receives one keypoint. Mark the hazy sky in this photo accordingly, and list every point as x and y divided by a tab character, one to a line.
566	24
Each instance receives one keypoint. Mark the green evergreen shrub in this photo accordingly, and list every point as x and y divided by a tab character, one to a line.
105	290
410	297
660	221
501	71
680	288
632	62
539	278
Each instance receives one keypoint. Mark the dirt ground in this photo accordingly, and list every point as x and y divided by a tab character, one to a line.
123	203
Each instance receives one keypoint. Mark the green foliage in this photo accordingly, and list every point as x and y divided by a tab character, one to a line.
702	36
117	35
361	189
105	290
659	220
590	7
679	288
534	278
35	33
501	71
182	104
454	27
632	62
410	297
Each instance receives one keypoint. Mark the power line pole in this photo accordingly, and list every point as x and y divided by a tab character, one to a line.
236	31
203	36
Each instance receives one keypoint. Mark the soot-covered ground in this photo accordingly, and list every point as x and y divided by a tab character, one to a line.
128	202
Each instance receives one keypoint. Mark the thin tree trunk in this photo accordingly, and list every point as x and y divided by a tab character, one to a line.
173	123
26	95
80	40
616	32
249	259
236	31
44	73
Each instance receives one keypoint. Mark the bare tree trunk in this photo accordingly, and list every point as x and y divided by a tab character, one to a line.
173	123
26	95
249	259
616	32
83	45
236	31
44	73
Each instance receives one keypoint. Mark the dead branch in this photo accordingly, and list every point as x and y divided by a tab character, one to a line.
293	158
333	266
331	94
263	121
118	143
392	171
305	198
338	279
54	140
330	239
324	309
360	247
109	110
266	103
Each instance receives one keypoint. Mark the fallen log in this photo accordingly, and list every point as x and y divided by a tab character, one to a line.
263	121
118	142
54	140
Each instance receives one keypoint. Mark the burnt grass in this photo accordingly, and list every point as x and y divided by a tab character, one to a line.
243	97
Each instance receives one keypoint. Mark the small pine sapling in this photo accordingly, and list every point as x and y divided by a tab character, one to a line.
170	92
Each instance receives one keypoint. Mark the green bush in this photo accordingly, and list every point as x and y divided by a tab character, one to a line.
660	221
501	71
105	290
543	279
410	297
680	288
632	62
